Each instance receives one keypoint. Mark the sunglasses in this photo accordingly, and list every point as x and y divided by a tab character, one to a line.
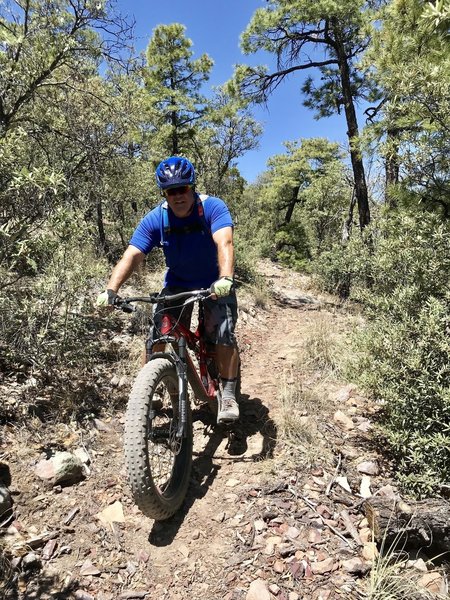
182	189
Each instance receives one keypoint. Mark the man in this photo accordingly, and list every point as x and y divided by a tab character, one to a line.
196	234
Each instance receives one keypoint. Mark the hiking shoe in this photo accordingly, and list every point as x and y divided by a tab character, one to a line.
228	410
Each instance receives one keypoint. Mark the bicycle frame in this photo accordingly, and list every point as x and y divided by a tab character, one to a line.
181	339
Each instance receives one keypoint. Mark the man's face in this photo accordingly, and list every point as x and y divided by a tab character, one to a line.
180	200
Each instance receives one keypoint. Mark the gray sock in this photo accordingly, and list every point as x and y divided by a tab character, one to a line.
229	388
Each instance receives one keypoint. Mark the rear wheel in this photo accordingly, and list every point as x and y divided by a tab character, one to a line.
158	463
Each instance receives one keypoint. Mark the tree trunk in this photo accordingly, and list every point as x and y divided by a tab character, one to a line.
100	227
392	167
401	526
174	123
352	132
293	201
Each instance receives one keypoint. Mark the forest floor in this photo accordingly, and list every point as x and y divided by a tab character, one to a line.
274	508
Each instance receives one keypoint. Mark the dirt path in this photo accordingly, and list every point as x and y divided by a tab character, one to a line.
258	521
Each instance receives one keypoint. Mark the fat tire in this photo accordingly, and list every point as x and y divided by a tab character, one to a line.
153	502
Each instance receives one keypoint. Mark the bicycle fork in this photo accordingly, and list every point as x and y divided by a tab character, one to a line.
181	367
178	359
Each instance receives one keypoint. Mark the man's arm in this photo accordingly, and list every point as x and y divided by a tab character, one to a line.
223	238
129	262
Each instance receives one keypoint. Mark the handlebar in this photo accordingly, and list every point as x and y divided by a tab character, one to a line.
124	304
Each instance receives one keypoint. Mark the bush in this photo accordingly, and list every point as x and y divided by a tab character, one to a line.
41	316
403	353
405	363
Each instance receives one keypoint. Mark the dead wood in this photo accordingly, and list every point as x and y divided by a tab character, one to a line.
424	524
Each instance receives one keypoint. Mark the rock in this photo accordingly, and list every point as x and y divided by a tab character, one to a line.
258	590
184	550
343	482
370	551
344	393
279	566
112	514
293	596
365	534
232	482
314	536
30	561
355	566
387	491
418	564
82	595
274	589
82	455
364	490
365	426
101	425
271	542
343	420
323	566
49	549
219	517
63	467
87	568
363	523
433	582
368	467
259	525
114	381
293	532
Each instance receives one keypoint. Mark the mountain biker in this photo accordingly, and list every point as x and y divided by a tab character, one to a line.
196	235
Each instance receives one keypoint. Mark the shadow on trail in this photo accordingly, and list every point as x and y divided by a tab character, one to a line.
31	584
254	419
204	471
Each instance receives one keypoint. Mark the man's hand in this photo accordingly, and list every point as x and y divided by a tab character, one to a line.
106	298
222	287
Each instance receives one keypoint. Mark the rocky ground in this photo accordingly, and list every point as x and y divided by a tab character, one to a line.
275	509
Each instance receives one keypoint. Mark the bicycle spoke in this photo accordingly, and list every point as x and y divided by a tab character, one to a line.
162	444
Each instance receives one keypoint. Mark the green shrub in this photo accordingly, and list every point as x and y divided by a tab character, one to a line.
405	364
42	319
403	354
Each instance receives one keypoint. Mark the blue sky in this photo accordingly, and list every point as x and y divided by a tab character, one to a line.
214	26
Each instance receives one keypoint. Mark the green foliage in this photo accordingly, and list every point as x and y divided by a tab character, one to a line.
400	275
296	210
227	132
173	80
406	365
410	60
41	319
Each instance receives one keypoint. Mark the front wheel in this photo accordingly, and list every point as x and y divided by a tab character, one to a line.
158	463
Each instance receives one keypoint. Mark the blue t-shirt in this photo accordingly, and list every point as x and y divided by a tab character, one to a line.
189	250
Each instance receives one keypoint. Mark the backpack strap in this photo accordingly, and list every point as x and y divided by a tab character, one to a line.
166	229
201	213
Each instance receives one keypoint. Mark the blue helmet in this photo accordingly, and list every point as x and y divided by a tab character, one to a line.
173	172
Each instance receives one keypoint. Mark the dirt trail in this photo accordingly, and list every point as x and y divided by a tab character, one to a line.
242	508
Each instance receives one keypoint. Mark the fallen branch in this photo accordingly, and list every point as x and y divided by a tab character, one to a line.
336	473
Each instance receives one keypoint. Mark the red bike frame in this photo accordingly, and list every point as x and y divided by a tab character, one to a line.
203	385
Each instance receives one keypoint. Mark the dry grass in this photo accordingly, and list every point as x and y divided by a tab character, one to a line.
325	347
296	422
392	578
6	574
260	294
